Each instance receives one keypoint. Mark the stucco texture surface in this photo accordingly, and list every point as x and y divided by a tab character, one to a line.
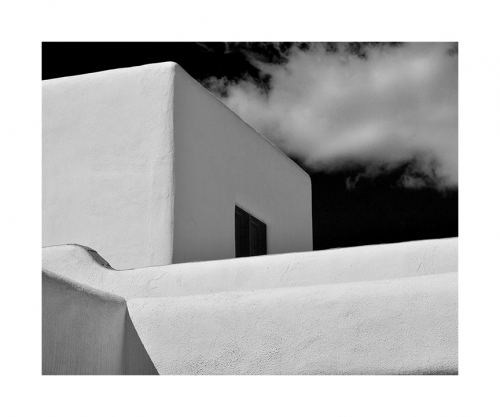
221	161
145	166
87	331
400	326
365	263
383	309
107	163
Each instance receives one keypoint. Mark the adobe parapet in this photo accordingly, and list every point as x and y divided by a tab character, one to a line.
382	309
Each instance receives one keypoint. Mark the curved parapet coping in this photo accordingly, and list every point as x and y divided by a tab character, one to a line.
88	331
365	263
399	326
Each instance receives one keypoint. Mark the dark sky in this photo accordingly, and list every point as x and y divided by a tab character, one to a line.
358	200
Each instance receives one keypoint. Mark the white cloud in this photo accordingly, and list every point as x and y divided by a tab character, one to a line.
331	109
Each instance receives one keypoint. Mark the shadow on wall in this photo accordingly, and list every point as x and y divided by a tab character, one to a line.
385	309
86	331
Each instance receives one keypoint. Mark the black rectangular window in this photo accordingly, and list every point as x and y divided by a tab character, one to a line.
250	234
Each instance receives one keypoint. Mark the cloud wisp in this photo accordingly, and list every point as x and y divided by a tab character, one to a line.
333	109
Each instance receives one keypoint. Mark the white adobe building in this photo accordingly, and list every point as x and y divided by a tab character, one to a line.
152	172
147	167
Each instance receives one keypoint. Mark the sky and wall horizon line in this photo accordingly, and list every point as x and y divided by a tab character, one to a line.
374	124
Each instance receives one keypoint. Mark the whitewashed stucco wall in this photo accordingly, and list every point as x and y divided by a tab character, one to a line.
145	166
108	164
221	161
380	309
397	326
86	331
333	266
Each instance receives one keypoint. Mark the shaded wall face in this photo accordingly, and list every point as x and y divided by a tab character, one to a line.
82	333
222	162
107	164
372	315
86	331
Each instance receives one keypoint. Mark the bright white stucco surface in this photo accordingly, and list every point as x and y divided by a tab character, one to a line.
108	163
384	309
145	166
365	263
399	326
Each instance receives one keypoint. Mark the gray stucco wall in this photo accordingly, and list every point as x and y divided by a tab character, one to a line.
88	331
221	161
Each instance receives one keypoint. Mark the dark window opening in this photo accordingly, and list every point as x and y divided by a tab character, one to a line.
250	234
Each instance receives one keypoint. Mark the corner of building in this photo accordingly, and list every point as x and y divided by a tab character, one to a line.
108	156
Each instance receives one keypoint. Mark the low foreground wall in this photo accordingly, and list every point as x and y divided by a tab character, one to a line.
385	309
402	326
87	331
365	263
